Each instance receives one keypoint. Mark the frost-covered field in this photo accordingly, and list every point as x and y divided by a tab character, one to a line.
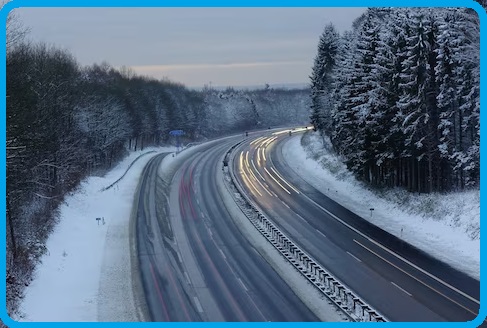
445	225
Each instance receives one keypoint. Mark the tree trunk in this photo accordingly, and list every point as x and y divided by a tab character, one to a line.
413	175
11	225
430	173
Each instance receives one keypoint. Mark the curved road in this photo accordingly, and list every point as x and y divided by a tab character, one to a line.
400	281
194	263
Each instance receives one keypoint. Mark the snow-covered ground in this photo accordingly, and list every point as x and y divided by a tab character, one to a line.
71	282
83	252
446	226
86	274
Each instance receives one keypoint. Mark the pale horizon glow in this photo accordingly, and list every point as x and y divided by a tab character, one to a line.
221	75
206	66
193	46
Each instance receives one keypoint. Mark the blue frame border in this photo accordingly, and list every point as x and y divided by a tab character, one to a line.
221	3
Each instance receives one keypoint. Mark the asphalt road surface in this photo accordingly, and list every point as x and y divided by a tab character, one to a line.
194	263
400	281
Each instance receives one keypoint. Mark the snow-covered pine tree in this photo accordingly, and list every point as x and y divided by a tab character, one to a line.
467	155
387	138
415	102
483	3
448	104
321	79
406	98
365	99
343	120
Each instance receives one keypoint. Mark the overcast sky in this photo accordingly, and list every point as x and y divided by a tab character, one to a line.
195	46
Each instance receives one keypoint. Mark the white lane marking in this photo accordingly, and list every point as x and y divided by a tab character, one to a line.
252	175
263	154
420	281
250	183
276	181
299	216
321	233
198	304
285	204
223	254
180	259
198	201
257	170
274	194
256	251
356	258
285	181
425	272
258	181
392	252
241	282
187	277
402	289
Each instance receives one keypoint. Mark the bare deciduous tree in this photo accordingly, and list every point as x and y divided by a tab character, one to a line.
16	31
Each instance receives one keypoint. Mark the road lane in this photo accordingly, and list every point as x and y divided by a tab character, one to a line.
247	280
194	263
400	291
159	268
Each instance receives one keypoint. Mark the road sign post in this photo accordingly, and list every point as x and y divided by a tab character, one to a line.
177	134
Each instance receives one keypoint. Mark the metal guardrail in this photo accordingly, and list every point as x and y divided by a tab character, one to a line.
128	168
337	292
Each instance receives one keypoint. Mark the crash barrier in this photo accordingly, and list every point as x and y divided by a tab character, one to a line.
338	293
128	168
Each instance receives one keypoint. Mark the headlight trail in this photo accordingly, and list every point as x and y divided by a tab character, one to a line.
277	181
284	180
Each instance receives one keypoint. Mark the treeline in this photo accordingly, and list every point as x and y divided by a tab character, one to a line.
236	110
399	97
65	122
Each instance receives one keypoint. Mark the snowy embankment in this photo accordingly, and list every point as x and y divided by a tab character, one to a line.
447	226
88	261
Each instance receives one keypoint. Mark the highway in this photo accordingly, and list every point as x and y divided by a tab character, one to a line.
398	280
194	263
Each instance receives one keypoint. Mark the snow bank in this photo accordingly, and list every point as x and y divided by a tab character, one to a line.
86	274
83	252
445	226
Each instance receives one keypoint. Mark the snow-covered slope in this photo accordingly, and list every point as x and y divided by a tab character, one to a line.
446	226
83	252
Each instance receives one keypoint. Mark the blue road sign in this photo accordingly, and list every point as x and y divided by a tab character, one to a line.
176	132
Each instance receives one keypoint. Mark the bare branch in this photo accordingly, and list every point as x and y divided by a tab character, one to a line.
46	197
16	31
